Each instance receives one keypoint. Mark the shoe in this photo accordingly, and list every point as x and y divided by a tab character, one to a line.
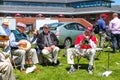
23	71
56	64
90	69
30	69
16	77
71	70
90	72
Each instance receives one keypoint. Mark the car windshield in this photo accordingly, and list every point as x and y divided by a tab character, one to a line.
55	24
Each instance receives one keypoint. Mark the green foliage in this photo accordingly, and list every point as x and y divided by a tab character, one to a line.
60	72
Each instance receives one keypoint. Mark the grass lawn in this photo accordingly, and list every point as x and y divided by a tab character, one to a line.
60	72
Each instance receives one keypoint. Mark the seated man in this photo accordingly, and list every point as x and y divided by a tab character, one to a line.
6	69
85	45
15	42
47	42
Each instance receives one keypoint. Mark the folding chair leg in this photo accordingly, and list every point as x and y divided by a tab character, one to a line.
78	59
94	65
12	61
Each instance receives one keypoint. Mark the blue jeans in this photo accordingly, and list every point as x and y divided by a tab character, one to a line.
115	41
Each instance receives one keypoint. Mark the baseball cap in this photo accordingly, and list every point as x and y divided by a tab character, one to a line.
5	21
21	24
89	29
104	15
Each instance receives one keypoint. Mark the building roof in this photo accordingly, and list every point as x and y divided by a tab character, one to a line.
52	1
57	10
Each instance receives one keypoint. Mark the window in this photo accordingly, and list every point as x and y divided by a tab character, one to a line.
80	27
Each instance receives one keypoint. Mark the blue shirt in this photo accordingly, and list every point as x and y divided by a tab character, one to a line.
4	31
7	32
101	24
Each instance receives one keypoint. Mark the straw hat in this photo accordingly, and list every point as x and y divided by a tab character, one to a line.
5	21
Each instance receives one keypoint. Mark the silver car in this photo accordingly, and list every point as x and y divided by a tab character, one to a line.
66	32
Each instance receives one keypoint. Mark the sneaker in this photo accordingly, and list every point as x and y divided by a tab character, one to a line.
56	64
16	77
90	72
71	70
90	69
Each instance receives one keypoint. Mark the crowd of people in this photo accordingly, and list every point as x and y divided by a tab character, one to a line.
113	31
47	42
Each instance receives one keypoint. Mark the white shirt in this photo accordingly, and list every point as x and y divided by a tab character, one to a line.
114	25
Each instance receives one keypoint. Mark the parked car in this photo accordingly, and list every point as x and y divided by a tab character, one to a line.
66	32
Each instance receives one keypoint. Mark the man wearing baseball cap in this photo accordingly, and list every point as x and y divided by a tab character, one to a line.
104	15
102	29
85	45
15	42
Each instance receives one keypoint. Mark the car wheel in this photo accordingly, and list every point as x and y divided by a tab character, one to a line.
67	43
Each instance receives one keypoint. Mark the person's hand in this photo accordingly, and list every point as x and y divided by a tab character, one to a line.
53	46
48	48
100	32
35	32
6	43
80	43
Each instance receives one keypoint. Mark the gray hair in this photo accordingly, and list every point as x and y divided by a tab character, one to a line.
45	26
115	14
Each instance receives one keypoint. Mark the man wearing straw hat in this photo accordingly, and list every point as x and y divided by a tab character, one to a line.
6	68
4	30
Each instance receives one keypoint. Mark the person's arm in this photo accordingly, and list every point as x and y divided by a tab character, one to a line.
2	32
77	42
55	40
93	42
13	42
40	43
103	25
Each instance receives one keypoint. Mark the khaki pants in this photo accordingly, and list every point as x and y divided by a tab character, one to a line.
89	53
24	54
6	69
102	39
51	56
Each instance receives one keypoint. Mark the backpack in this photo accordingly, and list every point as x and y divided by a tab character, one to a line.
96	28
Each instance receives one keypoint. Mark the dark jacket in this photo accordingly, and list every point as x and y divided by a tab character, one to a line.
40	40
